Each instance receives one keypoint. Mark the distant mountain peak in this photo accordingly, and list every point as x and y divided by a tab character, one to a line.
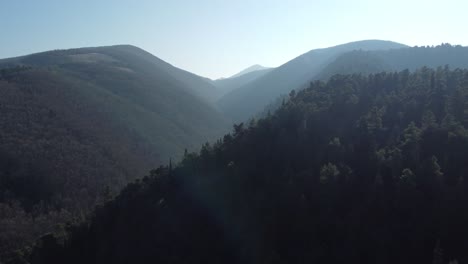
256	67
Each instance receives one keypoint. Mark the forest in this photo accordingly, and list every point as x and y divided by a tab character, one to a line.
77	125
356	169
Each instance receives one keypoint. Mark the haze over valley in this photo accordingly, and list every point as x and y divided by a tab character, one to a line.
352	152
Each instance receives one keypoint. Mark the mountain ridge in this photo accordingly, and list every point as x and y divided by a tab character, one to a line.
83	122
253	68
229	84
255	95
198	85
352	170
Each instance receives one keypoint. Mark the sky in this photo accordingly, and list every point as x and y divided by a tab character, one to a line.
218	38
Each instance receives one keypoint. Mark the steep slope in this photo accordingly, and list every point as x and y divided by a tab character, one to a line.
79	122
359	169
250	99
250	69
136	58
229	84
198	85
367	62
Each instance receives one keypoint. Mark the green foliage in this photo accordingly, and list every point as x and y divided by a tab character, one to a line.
397	59
328	173
324	179
365	57
436	167
251	98
408	177
78	125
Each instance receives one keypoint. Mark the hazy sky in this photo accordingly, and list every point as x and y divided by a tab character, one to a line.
216	38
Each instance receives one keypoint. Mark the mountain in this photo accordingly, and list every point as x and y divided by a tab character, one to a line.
376	61
250	69
358	169
140	60
118	106
77	123
366	62
227	85
246	101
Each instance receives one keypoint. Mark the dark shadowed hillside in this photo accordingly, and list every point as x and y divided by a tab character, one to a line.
359	169
79	123
248	100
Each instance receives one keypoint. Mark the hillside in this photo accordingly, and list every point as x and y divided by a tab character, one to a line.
367	62
227	85
248	100
78	123
359	169
250	69
132	57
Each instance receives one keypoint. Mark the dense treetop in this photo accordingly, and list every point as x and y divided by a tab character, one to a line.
357	57
78	123
358	169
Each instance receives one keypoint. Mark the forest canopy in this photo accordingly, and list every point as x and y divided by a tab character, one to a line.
358	169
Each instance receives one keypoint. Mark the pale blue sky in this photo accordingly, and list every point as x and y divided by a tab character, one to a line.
216	38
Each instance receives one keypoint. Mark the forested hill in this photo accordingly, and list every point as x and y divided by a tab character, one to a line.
366	62
371	62
120	57
77	123
346	60
359	169
251	98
